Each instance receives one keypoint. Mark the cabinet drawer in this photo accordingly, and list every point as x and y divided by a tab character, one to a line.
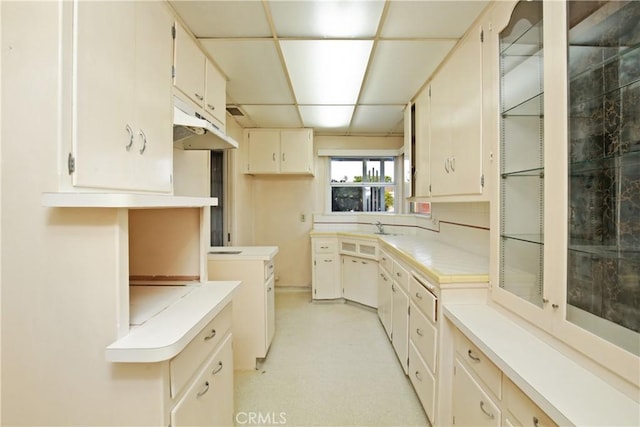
268	269
523	409
480	364
426	301
401	275
386	261
472	406
325	246
184	365
423	334
209	399
423	382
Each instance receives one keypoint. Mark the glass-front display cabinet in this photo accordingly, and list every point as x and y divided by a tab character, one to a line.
603	260
522	153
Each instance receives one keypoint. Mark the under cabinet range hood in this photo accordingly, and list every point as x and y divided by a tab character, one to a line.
192	132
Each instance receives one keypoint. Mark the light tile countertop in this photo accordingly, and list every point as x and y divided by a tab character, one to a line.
438	261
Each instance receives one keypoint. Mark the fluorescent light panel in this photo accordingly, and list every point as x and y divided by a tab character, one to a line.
326	71
327	117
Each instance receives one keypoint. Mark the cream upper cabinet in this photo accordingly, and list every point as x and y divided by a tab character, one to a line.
279	151
215	101
456	121
189	65
121	97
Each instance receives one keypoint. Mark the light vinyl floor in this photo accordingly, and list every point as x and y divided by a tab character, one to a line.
330	364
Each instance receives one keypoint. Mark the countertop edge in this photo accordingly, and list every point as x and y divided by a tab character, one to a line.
527	361
166	334
265	253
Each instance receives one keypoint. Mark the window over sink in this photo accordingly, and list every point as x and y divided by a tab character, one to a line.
363	184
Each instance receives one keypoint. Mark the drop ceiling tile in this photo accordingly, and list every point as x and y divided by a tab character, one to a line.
400	68
326	71
328	117
432	19
254	70
377	118
322	19
224	18
284	116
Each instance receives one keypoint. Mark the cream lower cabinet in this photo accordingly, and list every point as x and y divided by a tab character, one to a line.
254	305
400	313
326	268
484	396
120	103
385	293
209	399
359	280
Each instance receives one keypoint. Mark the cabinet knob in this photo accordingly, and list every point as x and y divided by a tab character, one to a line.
419	332
418	295
418	376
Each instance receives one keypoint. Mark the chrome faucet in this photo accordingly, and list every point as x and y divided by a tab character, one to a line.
380	227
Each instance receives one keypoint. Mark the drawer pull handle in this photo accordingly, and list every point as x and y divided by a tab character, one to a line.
324	247
384	259
130	131
472	356
328	260
144	141
211	107
217	369
398	274
418	376
393	288
364	262
487	413
419	332
535	421
204	390
418	295
198	96
211	335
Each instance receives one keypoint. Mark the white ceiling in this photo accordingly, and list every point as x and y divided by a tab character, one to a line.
378	54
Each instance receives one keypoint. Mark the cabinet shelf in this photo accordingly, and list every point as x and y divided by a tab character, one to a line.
536	239
530	107
629	159
525	44
605	251
535	172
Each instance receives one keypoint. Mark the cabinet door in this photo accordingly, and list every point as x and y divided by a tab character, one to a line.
264	151
209	399
152	151
215	100
270	307
103	94
472	406
326	276
400	324
384	300
441	110
189	63
360	280
296	151
422	174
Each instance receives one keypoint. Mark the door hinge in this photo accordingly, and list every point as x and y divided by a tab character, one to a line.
409	310
314	262
429	91
454	370
454	419
482	180
173	32
315	291
228	237
482	36
71	164
173	71
429	188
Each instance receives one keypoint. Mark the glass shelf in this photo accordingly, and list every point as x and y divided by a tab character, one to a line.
532	106
536	239
614	161
525	43
536	172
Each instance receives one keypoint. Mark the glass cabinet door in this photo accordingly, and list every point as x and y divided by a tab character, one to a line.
522	153
603	262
